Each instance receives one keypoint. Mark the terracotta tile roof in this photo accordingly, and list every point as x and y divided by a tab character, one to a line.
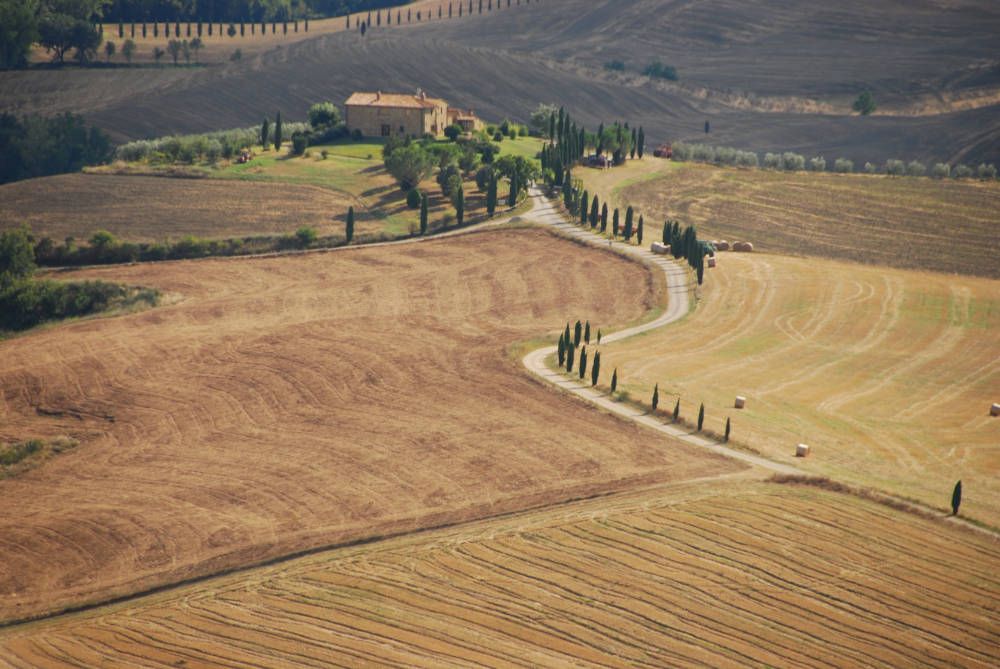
397	100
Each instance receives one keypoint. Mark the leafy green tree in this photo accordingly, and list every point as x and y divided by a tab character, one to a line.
577	333
196	46
423	213
277	133
265	133
726	437
324	115
349	231
68	24
409	165
109	50
17	256
595	369
956	498
174	48
128	50
656	396
18	31
515	186
677	410
864	104
561	350
701	416
614	380
453	131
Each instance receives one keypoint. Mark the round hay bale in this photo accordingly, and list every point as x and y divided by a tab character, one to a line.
995	409
802	450
721	245
740	401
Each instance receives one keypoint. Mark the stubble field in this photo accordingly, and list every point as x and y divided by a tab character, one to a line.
289	403
887	374
729	574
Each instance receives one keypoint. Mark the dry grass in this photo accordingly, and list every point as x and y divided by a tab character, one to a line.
721	575
148	209
887	374
288	403
945	226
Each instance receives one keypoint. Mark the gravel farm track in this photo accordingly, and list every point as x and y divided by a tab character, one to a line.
235	425
769	75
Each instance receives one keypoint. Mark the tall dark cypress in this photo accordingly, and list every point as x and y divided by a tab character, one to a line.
701	416
956	498
586	332
584	199
666	232
515	186
726	437
491	197
460	207
677	410
656	396
583	362
629	213
595	369
577	333
604	217
594	214
614	228
635	144
570	355
423	213
614	380
349	228
277	132
641	149
638	231
561	351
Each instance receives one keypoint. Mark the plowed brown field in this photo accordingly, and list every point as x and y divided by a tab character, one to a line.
294	402
720	575
151	209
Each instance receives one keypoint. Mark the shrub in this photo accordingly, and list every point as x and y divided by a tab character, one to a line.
357	135
817	164
870	168
658	70
896	168
305	237
962	172
772	161
413	198
941	171
498	136
865	104
792	162
987	171
916	169
299	142
843	166
746	159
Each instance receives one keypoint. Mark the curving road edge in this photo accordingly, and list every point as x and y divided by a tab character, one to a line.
678	290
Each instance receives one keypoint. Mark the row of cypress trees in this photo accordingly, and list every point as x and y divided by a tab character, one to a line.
208	29
455	9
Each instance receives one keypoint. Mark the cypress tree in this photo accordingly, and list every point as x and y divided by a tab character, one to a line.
635	144
594	213
265	132
586	332
423	213
700	267
562	351
701	416
460	206
614	229
638	232
570	354
956	498
584	201
726	438
604	217
514	188
677	410
595	369
614	380
277	132
666	232
629	213
491	197
656	396
566	334
641	149
577	333
598	335
583	363
349	231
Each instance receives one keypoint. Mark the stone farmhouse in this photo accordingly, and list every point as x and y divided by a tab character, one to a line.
400	115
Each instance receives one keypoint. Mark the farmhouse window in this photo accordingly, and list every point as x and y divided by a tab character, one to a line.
402	130
386	130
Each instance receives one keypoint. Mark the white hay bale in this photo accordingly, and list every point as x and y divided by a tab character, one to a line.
711	261
740	401
802	450
660	248
995	409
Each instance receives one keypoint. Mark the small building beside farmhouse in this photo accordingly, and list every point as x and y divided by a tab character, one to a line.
401	115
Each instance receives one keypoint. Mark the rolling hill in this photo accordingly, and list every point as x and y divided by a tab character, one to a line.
767	76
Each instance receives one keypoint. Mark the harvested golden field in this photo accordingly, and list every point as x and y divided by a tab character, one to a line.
887	374
283	404
730	574
917	223
152	209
